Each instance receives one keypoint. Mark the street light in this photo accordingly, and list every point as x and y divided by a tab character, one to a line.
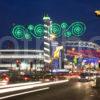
97	12
18	63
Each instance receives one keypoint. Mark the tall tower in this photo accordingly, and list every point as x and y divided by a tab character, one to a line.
47	41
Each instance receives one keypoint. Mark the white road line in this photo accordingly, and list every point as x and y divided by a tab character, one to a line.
19	84
11	89
13	95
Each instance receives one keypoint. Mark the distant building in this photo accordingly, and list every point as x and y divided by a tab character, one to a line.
9	57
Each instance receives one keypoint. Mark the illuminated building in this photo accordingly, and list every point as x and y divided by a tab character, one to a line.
77	51
47	40
9	57
52	51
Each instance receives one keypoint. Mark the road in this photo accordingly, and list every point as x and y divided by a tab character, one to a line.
73	90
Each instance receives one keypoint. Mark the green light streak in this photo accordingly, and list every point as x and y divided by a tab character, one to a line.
67	33
64	25
38	31
30	27
28	36
78	28
56	29
19	32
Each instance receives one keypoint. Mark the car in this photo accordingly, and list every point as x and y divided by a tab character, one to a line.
4	79
21	78
98	74
72	75
85	76
27	78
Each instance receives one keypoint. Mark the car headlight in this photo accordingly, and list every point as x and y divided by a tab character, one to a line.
79	77
87	77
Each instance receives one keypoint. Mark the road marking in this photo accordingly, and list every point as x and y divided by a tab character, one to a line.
13	95
19	84
11	89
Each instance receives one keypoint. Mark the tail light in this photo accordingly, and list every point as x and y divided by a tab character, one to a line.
25	78
6	78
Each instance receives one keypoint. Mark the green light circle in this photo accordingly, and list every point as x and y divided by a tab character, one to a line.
64	25
19	32
30	27
56	29
38	31
78	28
67	33
28	36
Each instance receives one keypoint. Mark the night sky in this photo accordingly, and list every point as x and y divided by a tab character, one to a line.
24	12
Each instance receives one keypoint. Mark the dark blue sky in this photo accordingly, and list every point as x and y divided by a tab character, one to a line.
31	12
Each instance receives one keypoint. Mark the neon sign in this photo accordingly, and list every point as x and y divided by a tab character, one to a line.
84	53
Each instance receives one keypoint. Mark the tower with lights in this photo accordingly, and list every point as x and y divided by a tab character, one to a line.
47	40
50	44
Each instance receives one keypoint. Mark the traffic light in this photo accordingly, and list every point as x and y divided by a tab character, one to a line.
17	63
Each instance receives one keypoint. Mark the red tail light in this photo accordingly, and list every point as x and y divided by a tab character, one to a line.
6	78
25	78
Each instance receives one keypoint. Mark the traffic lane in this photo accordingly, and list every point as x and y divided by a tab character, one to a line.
72	91
17	90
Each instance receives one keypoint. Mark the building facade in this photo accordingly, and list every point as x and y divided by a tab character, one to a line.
9	58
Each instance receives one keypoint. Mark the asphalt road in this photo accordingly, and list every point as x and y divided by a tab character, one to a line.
73	90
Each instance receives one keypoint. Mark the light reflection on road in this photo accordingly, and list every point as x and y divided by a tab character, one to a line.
73	90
